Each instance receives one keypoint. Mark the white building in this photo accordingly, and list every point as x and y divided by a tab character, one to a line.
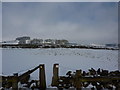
11	42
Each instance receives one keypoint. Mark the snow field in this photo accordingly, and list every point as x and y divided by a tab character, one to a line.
20	60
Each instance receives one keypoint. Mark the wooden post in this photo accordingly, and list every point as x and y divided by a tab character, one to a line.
15	82
77	82
42	77
55	77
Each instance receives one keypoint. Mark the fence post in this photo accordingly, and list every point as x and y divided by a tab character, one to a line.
15	82
42	77
77	82
55	77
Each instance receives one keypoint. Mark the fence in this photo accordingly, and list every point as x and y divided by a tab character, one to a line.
99	79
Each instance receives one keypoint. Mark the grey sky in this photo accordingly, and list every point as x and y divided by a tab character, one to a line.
60	0
78	22
0	21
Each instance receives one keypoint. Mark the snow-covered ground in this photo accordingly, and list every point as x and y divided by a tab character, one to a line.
19	60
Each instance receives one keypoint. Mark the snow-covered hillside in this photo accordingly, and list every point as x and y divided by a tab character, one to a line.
19	60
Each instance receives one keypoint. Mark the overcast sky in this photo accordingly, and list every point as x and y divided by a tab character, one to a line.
60	0
0	21
89	22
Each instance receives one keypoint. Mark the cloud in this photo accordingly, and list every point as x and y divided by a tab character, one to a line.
80	22
0	21
60	0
